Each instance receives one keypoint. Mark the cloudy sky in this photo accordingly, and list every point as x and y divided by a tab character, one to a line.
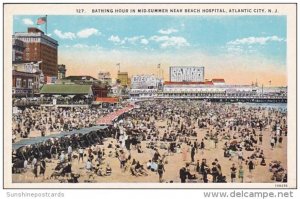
239	49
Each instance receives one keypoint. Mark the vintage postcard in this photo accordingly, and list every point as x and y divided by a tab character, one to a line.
150	96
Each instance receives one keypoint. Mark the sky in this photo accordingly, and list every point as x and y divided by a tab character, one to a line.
240	49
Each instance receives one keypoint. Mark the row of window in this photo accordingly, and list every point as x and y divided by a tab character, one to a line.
48	50
48	43
23	84
31	39
49	60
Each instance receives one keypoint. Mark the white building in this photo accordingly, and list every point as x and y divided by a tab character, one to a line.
143	93
145	82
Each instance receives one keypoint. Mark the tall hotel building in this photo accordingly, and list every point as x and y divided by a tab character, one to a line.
39	47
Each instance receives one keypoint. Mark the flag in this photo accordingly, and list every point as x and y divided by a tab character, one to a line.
41	20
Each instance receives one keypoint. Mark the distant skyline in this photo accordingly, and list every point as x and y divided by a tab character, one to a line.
239	49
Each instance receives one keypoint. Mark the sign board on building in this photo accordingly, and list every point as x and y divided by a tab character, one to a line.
144	81
187	73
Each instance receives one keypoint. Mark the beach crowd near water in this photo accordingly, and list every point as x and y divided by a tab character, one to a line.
159	141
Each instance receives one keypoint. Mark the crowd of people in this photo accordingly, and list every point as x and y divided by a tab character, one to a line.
47	120
147	140
35	101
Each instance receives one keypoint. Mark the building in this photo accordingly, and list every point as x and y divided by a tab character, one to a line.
144	82
186	74
106	102
22	84
123	78
99	89
61	71
26	79
66	89
80	79
39	47
105	77
77	79
214	87
204	88
144	86
18	48
273	91
129	81
218	81
143	93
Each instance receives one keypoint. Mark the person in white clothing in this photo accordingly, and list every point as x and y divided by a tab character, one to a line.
62	157
70	153
89	165
80	151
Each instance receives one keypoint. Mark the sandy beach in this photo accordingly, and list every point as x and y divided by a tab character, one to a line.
261	174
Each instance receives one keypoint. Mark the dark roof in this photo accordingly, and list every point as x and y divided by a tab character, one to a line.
218	80
23	62
80	77
67	89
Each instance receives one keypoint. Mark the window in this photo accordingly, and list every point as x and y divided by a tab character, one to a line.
29	83
24	83
18	83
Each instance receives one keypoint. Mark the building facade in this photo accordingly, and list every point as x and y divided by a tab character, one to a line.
61	71
40	47
144	82
100	90
105	77
220	82
18	48
123	77
26	79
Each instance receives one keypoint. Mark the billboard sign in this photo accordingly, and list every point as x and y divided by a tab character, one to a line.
144	81
187	73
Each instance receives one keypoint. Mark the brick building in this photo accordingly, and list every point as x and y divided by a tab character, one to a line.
18	48
25	79
40	47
